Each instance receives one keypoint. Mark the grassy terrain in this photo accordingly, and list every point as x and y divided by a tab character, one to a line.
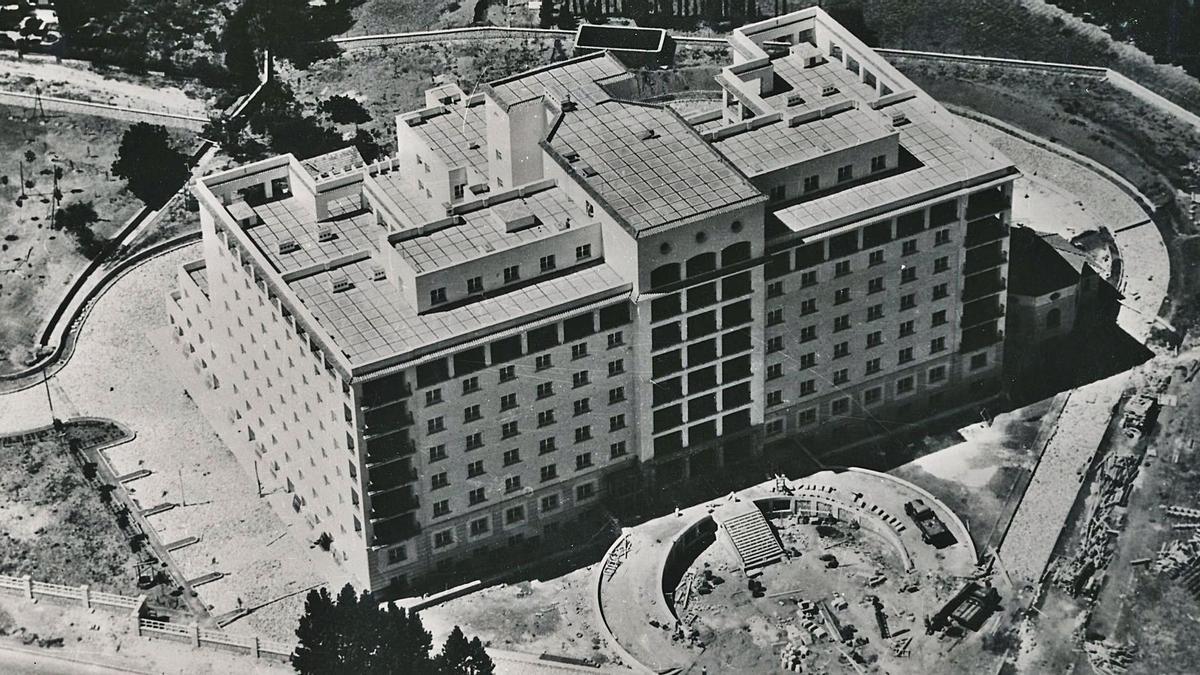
55	526
398	16
37	262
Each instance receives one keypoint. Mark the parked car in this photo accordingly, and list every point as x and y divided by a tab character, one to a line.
933	530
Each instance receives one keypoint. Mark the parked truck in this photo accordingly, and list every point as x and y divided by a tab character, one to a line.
933	530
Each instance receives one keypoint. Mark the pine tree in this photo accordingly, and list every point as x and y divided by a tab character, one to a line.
460	657
546	14
317	651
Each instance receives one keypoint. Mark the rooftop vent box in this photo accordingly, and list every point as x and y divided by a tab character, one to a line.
244	214
570	155
568	105
342	283
814	60
473	145
587	170
480	188
326	233
378	273
647	134
899	119
516	215
288	246
829	90
794	99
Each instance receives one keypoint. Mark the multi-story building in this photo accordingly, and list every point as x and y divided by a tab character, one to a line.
555	291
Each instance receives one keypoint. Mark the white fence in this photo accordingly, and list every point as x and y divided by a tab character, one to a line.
72	106
483	33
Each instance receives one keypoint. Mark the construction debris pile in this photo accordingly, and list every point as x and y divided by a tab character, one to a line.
1180	558
1108	657
1082	573
1141	409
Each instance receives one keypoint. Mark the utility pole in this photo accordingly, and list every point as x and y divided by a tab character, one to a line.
257	482
182	497
49	401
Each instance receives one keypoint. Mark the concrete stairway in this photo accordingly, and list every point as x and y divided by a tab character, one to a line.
752	538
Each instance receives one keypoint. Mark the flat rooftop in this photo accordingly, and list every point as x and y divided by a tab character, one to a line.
620	38
483	231
580	78
648	164
777	145
343	160
458	136
350	229
370	322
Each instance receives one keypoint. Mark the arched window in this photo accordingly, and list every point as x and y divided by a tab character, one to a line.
1053	318
664	274
735	253
699	264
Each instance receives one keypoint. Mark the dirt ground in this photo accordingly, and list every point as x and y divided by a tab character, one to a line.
36	261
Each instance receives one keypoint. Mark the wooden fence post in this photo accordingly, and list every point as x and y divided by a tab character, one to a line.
28	586
85	594
194	631
254	647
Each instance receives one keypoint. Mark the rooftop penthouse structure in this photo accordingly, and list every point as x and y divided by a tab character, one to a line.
555	291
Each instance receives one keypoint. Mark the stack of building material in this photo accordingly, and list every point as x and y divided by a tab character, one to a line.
1139	412
791	659
1108	657
1079	574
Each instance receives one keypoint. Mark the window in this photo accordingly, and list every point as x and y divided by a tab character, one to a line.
808	279
475	469
841	350
875	285
841	376
841	268
808	333
438	481
580	379
874	339
808	307
774	397
475	285
509	429
808	387
807	417
876	258
908	301
1054	318
878	163
583	252
808	360
812	183
437	453
874	312
547	263
514	514
616	395
542	362
549	503
778	192
459	191
774	317
904	385
907	328
545	390
443	539
909	247
583	433
841	323
774	427
979	361
872	396
471	413
508	373
545	418
583	461
512	273
774	371
941	291
435	425
845	173
479	527
617	449
616	339
591	210
512	457
549	472
616	422
437	296
905	355
476	496
474	441
470	385
873	366
508	401
774	289
775	344
441	508
908	275
547	445
579	351
841	296
937	374
839	406
616	367
433	397
941	264
941	237
937	345
585	491
583	406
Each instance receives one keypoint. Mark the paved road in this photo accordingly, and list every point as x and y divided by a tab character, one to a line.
17	661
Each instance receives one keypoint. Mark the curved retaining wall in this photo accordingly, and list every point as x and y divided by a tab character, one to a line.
598	609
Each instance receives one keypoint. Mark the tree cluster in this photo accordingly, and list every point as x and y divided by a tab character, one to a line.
353	634
286	29
154	169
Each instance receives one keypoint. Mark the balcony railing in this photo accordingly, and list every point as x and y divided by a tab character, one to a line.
392	504
981	286
388	448
982	258
394	531
984	231
980	336
382	394
984	310
987	202
385	420
390	476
